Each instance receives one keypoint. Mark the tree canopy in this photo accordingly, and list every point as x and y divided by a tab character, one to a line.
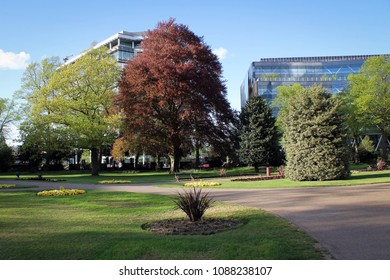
8	115
370	92
76	99
173	91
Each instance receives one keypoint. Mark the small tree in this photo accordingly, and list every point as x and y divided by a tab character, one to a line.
257	133
315	139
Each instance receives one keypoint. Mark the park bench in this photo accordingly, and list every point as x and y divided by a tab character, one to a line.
183	175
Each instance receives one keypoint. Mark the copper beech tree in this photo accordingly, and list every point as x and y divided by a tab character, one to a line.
173	92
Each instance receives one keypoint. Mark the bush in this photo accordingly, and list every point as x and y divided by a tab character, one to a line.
194	203
315	138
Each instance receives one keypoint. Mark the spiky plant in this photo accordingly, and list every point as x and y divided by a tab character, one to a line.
194	203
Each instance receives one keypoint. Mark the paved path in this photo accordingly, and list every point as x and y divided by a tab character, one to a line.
351	222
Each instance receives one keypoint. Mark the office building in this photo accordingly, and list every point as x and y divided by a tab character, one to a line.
123	45
265	75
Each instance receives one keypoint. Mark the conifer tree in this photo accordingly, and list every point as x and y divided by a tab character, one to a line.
315	138
257	133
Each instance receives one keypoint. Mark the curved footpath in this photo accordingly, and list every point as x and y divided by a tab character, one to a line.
353	223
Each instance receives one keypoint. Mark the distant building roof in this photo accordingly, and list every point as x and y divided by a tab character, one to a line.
319	58
122	35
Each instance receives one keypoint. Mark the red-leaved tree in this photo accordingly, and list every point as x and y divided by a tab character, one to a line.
173	92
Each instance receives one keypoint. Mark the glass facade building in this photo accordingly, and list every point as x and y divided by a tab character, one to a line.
265	75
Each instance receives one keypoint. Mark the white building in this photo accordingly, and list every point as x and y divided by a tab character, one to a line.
123	45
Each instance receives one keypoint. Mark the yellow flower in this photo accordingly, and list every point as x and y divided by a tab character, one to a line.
201	184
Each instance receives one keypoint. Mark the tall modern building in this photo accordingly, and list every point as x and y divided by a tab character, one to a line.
123	45
265	75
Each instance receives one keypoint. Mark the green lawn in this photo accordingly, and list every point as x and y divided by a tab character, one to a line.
107	225
357	178
162	178
84	177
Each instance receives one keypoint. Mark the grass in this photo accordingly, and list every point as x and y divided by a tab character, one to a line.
162	178
138	177
107	225
357	178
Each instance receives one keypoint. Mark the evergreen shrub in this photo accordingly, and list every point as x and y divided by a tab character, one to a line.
315	138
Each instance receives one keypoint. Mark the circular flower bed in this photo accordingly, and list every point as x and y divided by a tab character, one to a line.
61	192
186	227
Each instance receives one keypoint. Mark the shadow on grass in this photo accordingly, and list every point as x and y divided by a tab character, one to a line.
370	175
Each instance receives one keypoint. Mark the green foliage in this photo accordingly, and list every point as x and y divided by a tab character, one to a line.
194	203
84	97
42	140
285	95
257	133
8	115
367	144
366	150
74	101
370	92
315	139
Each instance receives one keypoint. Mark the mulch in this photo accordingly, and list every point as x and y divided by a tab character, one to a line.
186	227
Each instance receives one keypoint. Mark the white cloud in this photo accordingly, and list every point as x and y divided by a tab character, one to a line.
10	60
221	53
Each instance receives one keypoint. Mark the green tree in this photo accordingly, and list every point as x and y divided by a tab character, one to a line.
353	120
257	133
8	115
315	138
78	98
42	140
370	90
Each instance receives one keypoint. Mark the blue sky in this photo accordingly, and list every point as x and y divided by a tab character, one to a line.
246	30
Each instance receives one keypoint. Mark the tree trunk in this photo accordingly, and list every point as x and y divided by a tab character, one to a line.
95	161
197	156
357	144
256	166
227	165
383	144
136	158
175	159
158	162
